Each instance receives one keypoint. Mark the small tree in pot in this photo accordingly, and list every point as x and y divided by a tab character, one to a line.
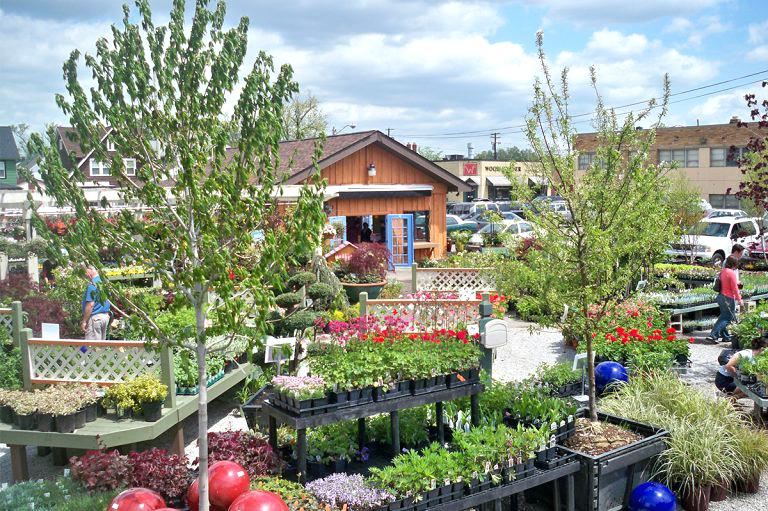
365	270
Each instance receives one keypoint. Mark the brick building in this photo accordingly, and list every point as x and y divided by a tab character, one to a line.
706	155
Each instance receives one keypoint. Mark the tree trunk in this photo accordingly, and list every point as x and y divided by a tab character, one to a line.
202	409
591	376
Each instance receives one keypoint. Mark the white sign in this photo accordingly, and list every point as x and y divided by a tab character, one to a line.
495	334
579	361
50	331
279	350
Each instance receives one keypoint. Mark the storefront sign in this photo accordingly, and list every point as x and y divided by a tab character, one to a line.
470	169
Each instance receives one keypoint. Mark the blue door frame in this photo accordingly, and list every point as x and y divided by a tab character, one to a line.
338	220
401	258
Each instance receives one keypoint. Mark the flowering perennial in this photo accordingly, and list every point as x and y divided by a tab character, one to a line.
300	387
339	490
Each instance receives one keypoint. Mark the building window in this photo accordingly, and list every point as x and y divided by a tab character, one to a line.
421	225
725	157
686	158
724	201
99	168
130	166
110	144
585	160
2	170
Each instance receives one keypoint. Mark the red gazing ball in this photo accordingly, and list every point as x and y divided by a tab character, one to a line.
227	480
193	496
258	500
137	499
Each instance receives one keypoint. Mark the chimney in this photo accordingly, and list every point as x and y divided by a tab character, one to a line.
735	120
408	145
413	146
470	150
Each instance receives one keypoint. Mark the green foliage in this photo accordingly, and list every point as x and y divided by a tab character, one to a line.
647	362
751	325
413	472
710	443
513	153
332	442
10	368
288	300
60	494
757	366
414	427
302	278
534	406
299	320
393	289
557	375
177	324
461	238
320	293
293	494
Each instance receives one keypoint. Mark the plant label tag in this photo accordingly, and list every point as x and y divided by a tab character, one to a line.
460	377
553	426
459	479
446	482
487	466
474	474
433	484
510	462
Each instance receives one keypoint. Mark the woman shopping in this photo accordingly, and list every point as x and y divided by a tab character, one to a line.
727	299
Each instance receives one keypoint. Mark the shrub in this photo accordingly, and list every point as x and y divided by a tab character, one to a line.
299	320
321	294
10	368
43	309
156	470
288	300
302	278
393	289
369	261
61	494
16	287
250	451
100	471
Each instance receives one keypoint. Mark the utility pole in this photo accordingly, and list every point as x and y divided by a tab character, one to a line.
389	131
494	142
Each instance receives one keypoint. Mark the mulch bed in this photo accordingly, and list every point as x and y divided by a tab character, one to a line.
595	438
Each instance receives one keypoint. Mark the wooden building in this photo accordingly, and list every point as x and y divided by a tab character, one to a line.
376	180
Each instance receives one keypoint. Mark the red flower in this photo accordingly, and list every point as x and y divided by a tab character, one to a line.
413	337
476	336
620	330
691	340
462	335
378	339
671	337
394	312
625	341
231	275
671	330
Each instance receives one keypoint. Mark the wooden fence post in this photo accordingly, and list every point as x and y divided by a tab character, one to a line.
26	360
363	299
486	311
414	278
17	322
166	374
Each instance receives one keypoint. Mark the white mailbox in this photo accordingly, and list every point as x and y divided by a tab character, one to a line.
495	334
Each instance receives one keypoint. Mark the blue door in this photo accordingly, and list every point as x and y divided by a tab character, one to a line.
338	239
400	239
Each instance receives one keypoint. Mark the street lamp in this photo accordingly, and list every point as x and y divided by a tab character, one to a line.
336	132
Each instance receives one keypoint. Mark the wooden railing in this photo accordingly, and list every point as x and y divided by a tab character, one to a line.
424	315
460	280
12	319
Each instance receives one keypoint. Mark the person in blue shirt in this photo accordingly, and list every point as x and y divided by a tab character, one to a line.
95	310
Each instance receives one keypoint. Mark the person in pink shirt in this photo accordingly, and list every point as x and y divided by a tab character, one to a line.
727	299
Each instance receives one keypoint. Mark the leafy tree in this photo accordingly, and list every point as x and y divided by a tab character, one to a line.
303	118
619	218
429	153
162	89
20	132
513	153
754	163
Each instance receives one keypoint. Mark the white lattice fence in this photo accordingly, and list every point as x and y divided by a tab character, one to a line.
461	280
74	360
427	315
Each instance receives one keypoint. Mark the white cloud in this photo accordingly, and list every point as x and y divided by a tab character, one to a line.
720	108
679	25
758	32
758	53
705	27
601	11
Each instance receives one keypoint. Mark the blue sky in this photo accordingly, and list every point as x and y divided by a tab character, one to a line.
431	68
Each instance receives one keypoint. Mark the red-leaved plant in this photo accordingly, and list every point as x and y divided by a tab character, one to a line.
100	471
250	451
369	260
157	470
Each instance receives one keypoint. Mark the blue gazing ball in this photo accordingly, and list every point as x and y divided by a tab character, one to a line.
652	497
609	372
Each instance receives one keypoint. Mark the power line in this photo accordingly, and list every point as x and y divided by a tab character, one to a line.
489	131
515	129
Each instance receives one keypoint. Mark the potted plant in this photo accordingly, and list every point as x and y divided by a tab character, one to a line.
301	395
25	405
119	398
148	394
6	409
364	271
341	491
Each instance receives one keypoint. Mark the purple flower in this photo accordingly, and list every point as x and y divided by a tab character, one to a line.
339	489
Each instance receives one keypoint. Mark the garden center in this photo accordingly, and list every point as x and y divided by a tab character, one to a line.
203	309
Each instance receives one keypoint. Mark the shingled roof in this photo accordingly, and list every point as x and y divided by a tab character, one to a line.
8	149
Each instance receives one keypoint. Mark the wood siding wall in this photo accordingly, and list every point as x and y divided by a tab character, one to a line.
390	169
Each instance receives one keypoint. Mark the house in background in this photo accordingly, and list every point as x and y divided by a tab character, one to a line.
9	159
375	179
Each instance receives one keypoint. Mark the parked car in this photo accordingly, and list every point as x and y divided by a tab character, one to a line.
455	223
712	239
468	209
517	228
717	213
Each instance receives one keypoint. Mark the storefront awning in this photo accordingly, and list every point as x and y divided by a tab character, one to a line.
537	180
470	180
498	181
367	191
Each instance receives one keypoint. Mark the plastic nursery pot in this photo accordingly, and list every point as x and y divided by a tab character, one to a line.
252	410
45	422
91	412
152	412
26	422
65	423
6	414
353	290
718	492
80	418
751	485
696	499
